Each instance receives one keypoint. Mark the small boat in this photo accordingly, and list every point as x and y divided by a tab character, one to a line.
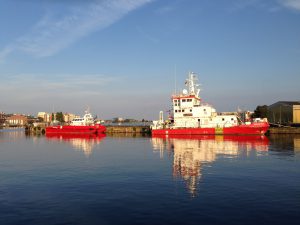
84	125
190	116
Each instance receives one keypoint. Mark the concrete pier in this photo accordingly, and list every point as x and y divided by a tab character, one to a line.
36	129
128	129
284	130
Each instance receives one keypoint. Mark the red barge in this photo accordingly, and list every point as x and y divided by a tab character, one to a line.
84	125
190	116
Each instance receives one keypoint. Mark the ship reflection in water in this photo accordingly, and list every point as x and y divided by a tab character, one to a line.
192	153
82	142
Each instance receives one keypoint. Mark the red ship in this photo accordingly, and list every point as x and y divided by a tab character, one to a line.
84	125
192	117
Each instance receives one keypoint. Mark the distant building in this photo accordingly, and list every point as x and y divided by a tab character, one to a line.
68	117
45	116
284	112
2	118
117	120
17	120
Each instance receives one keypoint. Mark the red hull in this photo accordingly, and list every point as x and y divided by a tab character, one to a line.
251	129
69	136
97	129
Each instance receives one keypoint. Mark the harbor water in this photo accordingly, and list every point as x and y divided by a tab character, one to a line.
130	179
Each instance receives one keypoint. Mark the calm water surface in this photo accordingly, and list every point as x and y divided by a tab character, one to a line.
149	180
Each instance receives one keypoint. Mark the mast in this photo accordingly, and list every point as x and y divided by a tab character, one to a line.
193	86
175	80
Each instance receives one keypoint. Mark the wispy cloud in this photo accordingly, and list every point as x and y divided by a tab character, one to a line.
5	52
56	31
147	35
165	9
242	4
30	92
169	7
292	4
270	6
58	85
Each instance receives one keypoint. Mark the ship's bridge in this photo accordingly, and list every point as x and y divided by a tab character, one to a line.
185	101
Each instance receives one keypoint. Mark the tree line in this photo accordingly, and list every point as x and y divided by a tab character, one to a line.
261	111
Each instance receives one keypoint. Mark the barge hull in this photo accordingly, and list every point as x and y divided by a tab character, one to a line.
252	129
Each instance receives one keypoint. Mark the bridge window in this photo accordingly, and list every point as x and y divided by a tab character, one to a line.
183	100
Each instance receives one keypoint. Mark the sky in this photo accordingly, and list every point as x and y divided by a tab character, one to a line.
124	58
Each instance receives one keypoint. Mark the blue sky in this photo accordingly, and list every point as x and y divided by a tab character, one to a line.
120	57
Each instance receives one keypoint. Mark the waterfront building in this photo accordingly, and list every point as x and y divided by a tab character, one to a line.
2	118
68	117
45	116
284	112
17	120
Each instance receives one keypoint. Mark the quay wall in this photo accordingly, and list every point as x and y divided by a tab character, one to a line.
37	130
284	130
128	129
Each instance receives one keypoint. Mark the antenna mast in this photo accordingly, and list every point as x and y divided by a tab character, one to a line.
175	79
192	85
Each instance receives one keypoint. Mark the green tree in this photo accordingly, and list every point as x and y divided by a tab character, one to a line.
261	111
52	117
60	117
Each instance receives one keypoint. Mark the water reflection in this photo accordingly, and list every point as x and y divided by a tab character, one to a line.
127	135
287	144
11	134
192	153
82	142
297	144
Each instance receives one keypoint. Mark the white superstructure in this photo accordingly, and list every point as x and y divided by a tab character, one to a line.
86	120
188	111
